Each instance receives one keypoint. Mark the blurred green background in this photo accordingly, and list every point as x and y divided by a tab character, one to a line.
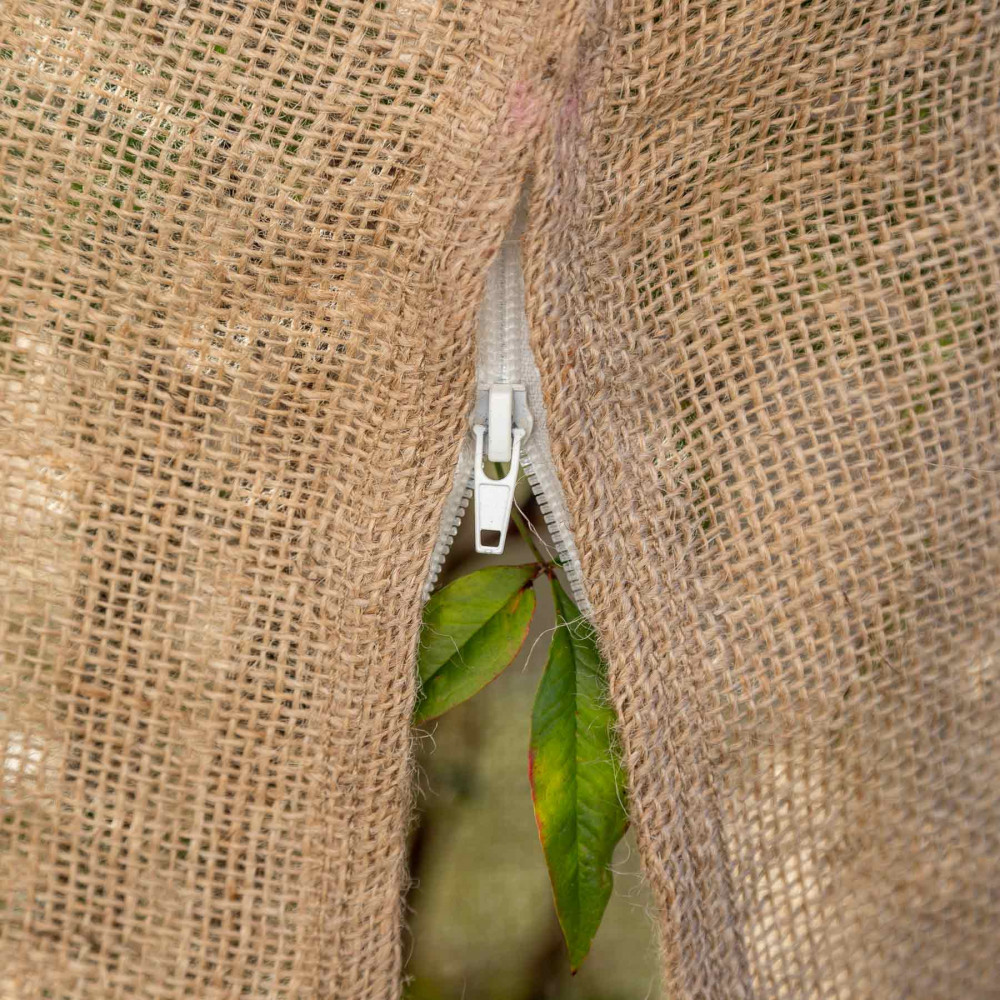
481	921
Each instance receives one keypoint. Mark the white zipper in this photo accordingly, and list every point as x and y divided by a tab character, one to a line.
508	425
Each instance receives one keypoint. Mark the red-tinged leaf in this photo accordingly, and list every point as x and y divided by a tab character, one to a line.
473	629
577	785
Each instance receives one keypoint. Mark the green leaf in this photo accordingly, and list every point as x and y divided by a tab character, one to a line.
473	629
576	781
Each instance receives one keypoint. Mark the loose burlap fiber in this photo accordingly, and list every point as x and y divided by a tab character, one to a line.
242	247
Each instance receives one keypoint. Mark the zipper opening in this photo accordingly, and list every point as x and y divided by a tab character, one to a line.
505	361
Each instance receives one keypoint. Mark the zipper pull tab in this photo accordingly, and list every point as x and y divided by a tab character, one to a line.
502	422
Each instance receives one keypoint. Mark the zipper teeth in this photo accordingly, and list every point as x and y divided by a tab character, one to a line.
562	541
512	297
504	355
451	517
458	502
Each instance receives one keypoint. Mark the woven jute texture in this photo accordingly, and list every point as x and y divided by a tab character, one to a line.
242	247
765	294
242	250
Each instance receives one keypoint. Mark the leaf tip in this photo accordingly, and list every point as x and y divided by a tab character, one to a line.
577	957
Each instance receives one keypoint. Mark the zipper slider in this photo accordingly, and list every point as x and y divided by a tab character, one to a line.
500	423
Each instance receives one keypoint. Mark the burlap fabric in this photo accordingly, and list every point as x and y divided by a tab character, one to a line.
242	250
765	273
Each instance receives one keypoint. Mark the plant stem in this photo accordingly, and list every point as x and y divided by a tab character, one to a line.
523	529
